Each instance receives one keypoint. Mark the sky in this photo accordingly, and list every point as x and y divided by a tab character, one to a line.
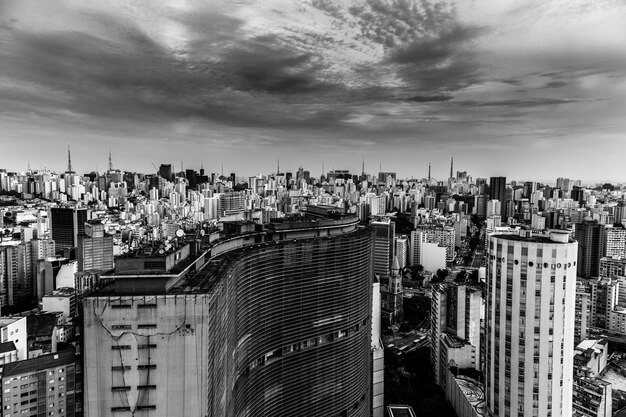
532	89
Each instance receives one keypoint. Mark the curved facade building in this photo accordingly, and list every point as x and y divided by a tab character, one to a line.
277	328
531	290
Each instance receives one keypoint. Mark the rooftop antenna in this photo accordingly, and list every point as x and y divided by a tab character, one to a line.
322	168
363	167
110	161
222	168
380	167
181	166
278	167
429	171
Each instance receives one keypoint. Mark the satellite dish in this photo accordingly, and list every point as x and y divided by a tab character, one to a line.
180	233
161	251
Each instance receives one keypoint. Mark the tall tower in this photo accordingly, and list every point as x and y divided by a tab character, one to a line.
530	314
69	161
384	247
451	167
429	171
363	167
110	162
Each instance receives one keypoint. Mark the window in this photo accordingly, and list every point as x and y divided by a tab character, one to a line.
120	347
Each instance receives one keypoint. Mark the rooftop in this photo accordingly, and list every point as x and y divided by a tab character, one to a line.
553	237
48	361
400	411
7	347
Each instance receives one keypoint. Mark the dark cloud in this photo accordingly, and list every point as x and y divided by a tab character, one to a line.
429	98
555	84
222	73
520	103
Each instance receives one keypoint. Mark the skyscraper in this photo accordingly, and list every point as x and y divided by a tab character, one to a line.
497	191
590	237
384	247
273	323
531	289
66	223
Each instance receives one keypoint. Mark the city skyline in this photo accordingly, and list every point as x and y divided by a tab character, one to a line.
499	86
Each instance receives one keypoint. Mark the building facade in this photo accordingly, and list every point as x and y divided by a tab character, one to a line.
278	326
531	285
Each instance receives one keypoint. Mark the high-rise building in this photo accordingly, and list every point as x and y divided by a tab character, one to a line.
384	246
612	267
276	323
531	285
66	224
455	314
604	298
431	233
497	191
402	250
614	241
95	248
165	172
590	237
583	315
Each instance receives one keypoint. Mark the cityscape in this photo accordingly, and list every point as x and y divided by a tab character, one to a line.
313	208
346	294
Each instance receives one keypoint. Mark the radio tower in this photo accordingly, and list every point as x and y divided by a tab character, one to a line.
429	171
451	167
69	160
110	162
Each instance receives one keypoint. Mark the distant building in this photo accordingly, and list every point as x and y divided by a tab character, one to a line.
614	245
590	237
95	248
611	267
66	224
384	247
604	298
47	385
402	251
583	315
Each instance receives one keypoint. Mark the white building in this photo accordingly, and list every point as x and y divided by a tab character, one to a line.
13	329
531	286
